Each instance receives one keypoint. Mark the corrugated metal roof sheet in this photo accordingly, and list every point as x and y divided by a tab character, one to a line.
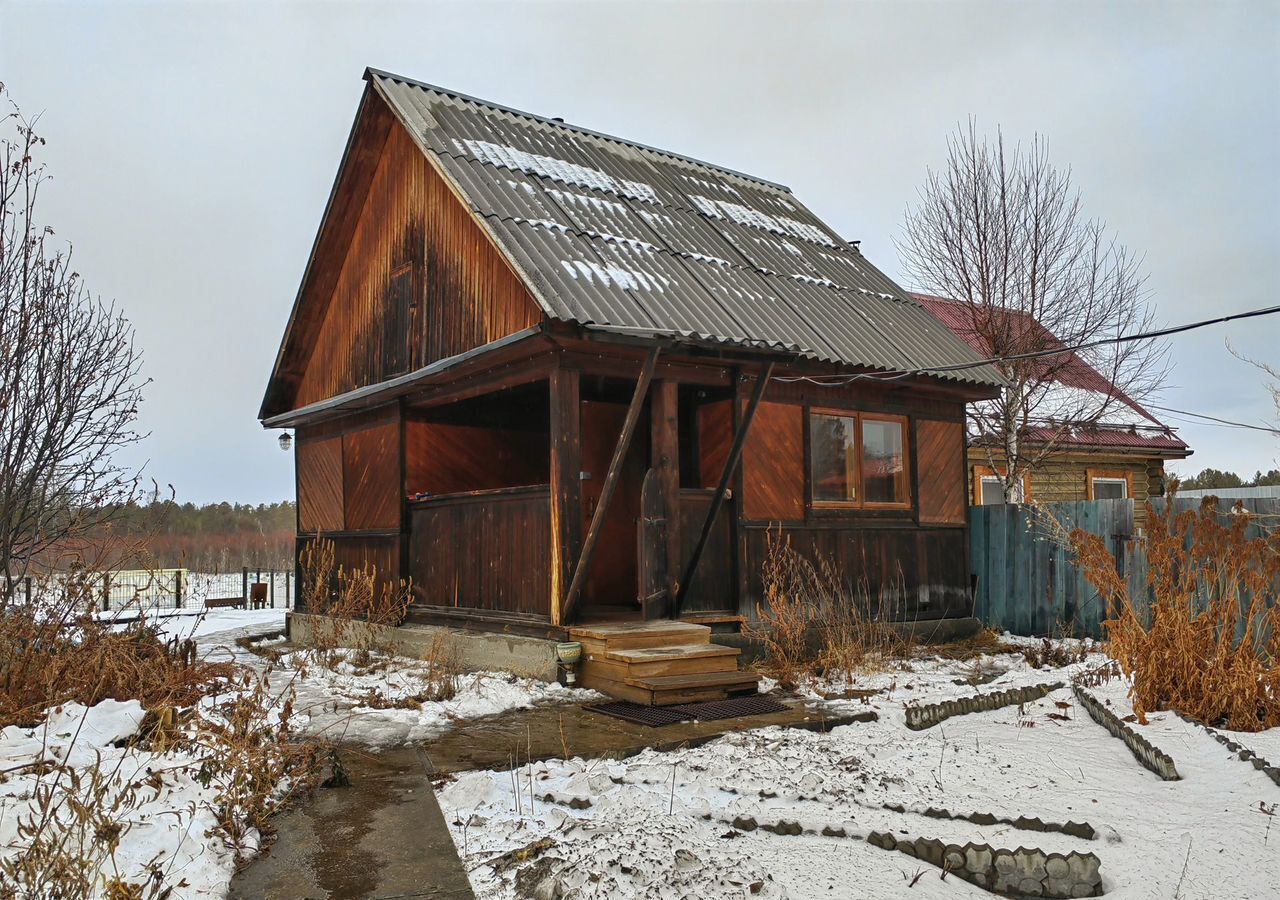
614	234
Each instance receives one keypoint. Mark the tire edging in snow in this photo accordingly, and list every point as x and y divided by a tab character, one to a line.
930	714
1024	871
1143	751
1243	753
1082	830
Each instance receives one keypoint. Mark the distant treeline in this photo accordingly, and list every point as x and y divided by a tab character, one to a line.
1216	478
214	537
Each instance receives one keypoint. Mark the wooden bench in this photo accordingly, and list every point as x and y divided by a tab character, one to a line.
224	603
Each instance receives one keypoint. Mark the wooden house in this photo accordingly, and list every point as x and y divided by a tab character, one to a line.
1117	454
567	382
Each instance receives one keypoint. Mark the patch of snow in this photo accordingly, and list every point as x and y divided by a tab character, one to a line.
754	218
386	702
610	274
555	169
651	823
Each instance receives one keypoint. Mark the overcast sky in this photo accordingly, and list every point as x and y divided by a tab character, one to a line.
193	148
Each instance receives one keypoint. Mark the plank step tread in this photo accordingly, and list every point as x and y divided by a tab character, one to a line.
634	630
698	680
672	652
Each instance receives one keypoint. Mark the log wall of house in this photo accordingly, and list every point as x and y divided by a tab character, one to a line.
419	282
1065	477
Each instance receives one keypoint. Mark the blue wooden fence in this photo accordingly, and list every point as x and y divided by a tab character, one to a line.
1028	580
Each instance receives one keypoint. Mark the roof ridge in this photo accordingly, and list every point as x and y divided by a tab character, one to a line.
580	129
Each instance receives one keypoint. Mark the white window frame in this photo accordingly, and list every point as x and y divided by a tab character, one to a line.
1107	479
983	481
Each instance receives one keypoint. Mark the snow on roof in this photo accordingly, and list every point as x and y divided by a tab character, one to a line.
615	234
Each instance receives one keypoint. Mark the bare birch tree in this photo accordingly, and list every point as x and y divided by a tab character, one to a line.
70	381
1003	231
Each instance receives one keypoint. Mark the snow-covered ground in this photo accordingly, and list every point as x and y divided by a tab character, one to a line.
660	824
167	807
349	702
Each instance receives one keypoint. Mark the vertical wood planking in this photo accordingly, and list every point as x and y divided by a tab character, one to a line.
418	282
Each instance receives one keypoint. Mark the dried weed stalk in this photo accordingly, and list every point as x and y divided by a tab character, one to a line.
812	622
344	597
1209	647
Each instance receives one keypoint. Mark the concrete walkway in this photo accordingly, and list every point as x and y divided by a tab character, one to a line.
382	837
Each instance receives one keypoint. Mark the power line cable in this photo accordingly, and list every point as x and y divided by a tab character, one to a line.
1227	422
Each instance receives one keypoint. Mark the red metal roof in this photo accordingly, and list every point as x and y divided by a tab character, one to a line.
1069	370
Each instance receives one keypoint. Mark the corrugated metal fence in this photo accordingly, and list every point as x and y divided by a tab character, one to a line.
1028	580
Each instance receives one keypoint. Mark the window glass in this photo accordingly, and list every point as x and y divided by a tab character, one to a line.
992	491
884	469
834	453
1110	489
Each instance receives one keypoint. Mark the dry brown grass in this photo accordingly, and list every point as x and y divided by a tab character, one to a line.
55	651
1210	645
812	623
345	597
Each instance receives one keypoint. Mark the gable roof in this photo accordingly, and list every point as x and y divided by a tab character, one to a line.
615	235
1129	426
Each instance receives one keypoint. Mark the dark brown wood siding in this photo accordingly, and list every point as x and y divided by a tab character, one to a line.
714	587
489	552
773	464
444	458
371	466
418	282
940	461
909	573
320	503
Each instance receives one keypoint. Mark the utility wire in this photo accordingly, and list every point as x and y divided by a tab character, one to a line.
1227	422
835	381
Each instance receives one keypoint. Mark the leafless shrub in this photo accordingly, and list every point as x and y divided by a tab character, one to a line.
70	381
342	598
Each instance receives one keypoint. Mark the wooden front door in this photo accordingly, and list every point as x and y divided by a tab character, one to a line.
611	589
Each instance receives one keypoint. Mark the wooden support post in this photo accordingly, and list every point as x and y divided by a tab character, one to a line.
566	484
609	486
665	454
717	499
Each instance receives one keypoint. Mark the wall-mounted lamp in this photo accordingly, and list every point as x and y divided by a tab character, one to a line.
286	441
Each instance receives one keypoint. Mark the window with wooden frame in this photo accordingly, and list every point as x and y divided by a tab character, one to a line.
1108	485
858	460
988	487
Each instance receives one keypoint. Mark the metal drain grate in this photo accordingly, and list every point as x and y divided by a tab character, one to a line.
713	710
653	716
709	711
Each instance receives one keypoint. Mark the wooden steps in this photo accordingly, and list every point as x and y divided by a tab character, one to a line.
659	663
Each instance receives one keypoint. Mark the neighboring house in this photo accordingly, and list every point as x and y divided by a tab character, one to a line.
1120	454
525	367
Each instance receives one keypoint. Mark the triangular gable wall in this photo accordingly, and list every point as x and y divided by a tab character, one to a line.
401	276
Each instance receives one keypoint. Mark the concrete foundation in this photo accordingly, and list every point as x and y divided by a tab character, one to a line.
474	651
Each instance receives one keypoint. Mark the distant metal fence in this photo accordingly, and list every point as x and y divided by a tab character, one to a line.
174	588
1028	581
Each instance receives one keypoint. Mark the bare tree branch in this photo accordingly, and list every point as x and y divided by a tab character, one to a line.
1003	231
70	379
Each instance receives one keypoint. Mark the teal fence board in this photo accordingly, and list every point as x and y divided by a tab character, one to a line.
1028	581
